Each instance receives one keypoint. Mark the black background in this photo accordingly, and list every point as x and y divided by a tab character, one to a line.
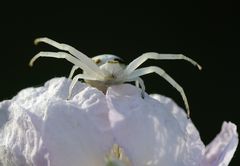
205	31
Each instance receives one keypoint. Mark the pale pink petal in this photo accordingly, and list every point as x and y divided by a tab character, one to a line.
221	150
42	128
152	132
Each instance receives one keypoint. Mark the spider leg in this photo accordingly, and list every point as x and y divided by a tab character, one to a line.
68	57
74	81
140	82
153	69
152	55
72	51
137	83
74	68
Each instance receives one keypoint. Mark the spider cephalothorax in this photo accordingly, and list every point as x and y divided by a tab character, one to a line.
105	70
111	65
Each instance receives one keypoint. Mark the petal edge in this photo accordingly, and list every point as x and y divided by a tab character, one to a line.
221	150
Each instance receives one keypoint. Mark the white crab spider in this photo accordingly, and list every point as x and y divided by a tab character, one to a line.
105	70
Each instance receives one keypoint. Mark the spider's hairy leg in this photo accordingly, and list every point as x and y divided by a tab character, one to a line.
153	69
68	57
140	82
153	55
74	68
72	51
74	81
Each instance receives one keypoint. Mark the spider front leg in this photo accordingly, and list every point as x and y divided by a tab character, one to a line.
68	57
153	69
91	75
153	55
73	51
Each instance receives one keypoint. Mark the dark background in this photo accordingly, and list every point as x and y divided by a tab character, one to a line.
205	31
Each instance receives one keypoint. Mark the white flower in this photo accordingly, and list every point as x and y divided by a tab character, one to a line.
39	127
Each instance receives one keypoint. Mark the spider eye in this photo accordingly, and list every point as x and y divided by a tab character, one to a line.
97	61
119	60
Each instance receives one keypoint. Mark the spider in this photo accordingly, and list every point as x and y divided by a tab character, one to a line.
105	70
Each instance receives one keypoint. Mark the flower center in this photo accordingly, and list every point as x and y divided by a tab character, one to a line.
117	157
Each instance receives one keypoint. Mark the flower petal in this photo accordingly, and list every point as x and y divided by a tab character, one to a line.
148	130
220	151
41	127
